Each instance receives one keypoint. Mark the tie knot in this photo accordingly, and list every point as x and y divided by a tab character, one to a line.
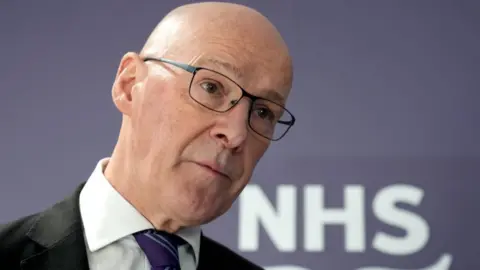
161	248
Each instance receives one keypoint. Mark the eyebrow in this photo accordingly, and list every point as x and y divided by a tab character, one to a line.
268	94
275	97
237	72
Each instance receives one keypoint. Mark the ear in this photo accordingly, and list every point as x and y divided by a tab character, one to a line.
128	74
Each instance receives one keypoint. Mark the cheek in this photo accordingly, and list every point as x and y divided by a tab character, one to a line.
166	120
256	148
253	152
153	123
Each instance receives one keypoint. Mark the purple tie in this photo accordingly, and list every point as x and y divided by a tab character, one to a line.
161	249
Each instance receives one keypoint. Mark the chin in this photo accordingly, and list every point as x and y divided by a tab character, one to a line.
200	200
195	215
190	219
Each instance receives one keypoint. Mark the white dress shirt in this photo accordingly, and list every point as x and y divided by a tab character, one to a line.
109	222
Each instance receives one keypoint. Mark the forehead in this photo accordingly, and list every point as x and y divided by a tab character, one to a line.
263	82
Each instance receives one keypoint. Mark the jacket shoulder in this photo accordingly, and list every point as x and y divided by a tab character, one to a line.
14	240
214	253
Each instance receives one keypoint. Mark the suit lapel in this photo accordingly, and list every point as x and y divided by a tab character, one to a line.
207	259
200	265
59	233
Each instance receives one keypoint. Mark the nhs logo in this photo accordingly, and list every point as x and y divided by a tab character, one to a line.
279	219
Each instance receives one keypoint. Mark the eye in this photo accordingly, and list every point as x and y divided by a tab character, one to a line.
210	87
265	113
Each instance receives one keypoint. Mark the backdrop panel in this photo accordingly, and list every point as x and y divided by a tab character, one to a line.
380	172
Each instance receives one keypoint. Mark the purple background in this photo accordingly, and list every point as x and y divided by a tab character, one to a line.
385	92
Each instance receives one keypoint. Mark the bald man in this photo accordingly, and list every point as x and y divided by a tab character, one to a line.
201	104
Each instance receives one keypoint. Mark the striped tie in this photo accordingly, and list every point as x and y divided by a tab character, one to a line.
161	249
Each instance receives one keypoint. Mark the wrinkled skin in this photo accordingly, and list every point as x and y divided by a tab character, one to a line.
165	134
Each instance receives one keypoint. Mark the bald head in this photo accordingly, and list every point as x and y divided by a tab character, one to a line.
198	30
194	22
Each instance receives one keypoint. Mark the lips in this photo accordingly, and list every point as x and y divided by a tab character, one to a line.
214	168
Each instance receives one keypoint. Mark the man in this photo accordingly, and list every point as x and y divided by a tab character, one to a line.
200	103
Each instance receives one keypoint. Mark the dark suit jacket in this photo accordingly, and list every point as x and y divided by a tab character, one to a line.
53	239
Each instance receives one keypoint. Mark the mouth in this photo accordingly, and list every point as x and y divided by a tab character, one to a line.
213	169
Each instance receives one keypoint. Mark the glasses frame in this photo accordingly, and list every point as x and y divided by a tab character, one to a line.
253	98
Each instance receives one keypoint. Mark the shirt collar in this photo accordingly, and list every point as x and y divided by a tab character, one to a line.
108	217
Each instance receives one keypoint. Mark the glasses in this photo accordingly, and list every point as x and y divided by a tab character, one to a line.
219	93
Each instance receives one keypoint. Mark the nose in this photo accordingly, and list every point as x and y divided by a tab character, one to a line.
232	128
